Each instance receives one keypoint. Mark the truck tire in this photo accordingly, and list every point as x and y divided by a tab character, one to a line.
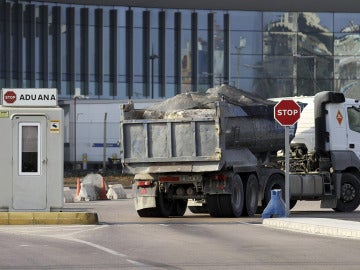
165	205
149	212
179	208
276	181
199	209
228	205
350	193
251	195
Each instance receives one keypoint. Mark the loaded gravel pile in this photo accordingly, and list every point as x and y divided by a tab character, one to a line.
197	104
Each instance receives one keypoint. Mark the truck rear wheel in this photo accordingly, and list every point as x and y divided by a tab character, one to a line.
228	205
179	208
350	193
251	195
165	205
148	212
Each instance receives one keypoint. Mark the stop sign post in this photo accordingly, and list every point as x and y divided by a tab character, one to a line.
287	113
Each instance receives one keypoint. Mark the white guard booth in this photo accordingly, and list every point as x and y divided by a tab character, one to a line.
31	151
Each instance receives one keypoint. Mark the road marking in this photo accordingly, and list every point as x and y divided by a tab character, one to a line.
105	249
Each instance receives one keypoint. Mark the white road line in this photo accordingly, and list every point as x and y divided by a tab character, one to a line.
105	249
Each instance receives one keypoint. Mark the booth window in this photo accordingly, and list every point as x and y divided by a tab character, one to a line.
29	149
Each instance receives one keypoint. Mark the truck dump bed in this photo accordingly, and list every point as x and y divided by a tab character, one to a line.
198	132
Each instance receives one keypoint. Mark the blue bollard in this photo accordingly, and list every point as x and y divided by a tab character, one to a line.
276	207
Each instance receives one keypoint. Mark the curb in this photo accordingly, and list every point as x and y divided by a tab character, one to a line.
48	218
317	226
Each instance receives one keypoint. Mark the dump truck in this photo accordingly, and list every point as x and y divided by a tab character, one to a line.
221	152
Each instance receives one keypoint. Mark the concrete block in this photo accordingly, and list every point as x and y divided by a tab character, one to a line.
116	192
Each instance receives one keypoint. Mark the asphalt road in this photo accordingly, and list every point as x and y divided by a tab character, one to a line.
123	240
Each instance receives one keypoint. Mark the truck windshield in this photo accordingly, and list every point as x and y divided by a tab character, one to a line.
354	118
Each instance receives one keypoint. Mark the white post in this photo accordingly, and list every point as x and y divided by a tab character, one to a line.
287	166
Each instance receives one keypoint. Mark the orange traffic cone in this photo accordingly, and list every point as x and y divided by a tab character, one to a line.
103	190
77	187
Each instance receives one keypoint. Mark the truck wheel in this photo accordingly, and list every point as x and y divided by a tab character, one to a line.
228	205
214	205
148	212
251	195
276	181
237	196
165	205
350	193
179	208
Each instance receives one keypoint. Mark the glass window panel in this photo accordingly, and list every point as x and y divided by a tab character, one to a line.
64	47
78	45
347	44
346	22
245	42
138	17
50	47
154	18
315	22
347	68
202	20
203	56
280	21
315	44
169	52
106	51
121	51
245	20
186	58
218	20
29	148
138	52
138	90
280	43
242	66
170	89
169	19
121	16
186	19
92	53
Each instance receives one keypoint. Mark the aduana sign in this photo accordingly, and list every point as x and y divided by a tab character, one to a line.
25	97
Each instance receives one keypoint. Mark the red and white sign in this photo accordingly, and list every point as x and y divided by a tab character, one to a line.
27	97
9	97
287	112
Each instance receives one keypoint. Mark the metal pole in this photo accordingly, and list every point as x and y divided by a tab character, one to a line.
287	166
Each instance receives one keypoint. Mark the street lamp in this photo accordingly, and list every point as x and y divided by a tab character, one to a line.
296	56
152	57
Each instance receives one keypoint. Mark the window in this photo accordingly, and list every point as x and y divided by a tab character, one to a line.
29	149
354	118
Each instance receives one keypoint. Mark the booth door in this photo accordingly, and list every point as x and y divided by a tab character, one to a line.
29	163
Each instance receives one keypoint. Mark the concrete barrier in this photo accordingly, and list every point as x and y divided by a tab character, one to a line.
116	192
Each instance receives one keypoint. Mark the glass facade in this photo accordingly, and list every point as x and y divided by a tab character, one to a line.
119	52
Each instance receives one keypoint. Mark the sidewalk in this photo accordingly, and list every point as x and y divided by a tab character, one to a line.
318	226
308	217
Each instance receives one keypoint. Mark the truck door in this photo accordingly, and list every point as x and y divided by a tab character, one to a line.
354	129
29	162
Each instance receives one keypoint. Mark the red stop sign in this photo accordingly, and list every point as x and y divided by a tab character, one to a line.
10	97
287	112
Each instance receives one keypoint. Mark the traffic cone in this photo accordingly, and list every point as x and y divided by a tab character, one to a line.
103	190
77	187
